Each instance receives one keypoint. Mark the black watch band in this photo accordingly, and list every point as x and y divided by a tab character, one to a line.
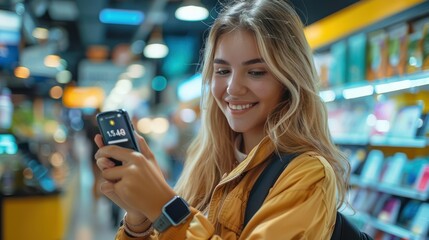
174	212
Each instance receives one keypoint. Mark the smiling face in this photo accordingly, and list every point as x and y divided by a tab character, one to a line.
242	85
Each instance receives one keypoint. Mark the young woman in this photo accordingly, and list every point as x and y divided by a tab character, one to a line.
259	97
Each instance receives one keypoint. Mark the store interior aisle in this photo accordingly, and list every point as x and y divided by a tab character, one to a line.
90	219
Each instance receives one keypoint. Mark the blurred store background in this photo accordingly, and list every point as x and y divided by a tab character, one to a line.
63	61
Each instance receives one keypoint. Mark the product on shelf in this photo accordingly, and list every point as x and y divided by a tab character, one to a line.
423	128
322	62
378	207
336	118
8	144
425	47
356	53
356	117
370	201
406	122
414	62
338	70
420	223
415	47
356	156
373	166
377	55
412	171
384	112
22	172
398	39
408	213
9	164
422	182
394	167
390	210
361	198
348	122
6	108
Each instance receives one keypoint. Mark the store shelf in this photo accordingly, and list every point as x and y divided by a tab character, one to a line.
383	226
366	88
381	141
398	142
351	140
390	189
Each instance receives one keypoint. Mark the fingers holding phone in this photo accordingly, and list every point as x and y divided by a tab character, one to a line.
133	176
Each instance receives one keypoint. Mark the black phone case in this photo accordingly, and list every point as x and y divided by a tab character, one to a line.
129	128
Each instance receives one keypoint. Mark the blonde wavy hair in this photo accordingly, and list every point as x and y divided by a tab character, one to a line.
298	124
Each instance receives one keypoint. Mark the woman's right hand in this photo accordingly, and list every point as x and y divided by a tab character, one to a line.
133	216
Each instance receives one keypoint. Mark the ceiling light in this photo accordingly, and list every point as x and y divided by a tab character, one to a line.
40	33
156	50
120	16
156	47
52	61
192	10
22	72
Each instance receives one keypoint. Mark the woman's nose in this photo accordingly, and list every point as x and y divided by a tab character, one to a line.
236	86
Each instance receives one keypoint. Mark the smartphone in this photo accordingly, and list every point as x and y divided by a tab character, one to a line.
116	129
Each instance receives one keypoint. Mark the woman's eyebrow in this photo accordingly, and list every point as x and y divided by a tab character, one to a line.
253	61
248	62
220	61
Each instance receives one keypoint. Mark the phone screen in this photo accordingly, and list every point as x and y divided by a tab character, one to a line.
116	129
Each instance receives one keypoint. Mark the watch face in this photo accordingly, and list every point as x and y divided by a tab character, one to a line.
177	210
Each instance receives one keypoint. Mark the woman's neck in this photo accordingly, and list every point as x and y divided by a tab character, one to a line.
250	141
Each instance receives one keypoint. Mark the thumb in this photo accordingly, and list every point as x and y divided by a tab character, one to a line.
147	153
98	140
144	147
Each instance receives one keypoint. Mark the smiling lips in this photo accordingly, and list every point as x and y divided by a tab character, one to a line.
240	107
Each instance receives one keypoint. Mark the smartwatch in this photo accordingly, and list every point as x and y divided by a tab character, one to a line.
174	212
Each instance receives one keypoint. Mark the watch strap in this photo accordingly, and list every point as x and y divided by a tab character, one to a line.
173	213
162	223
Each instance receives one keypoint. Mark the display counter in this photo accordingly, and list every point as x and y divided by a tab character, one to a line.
38	216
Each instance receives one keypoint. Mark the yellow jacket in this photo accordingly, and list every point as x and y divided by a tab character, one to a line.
301	204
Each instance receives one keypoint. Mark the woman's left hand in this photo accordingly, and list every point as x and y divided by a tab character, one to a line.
139	181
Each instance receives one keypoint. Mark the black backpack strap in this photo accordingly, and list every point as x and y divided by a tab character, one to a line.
343	228
264	183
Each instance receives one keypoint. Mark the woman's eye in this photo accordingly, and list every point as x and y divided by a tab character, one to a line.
257	73
222	72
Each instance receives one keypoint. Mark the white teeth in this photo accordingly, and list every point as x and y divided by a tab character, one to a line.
240	107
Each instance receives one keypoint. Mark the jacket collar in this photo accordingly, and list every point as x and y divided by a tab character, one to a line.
257	156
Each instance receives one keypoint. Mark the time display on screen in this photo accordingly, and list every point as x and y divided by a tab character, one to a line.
120	132
116	130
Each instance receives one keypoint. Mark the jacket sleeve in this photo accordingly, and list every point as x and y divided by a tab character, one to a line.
301	204
197	227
